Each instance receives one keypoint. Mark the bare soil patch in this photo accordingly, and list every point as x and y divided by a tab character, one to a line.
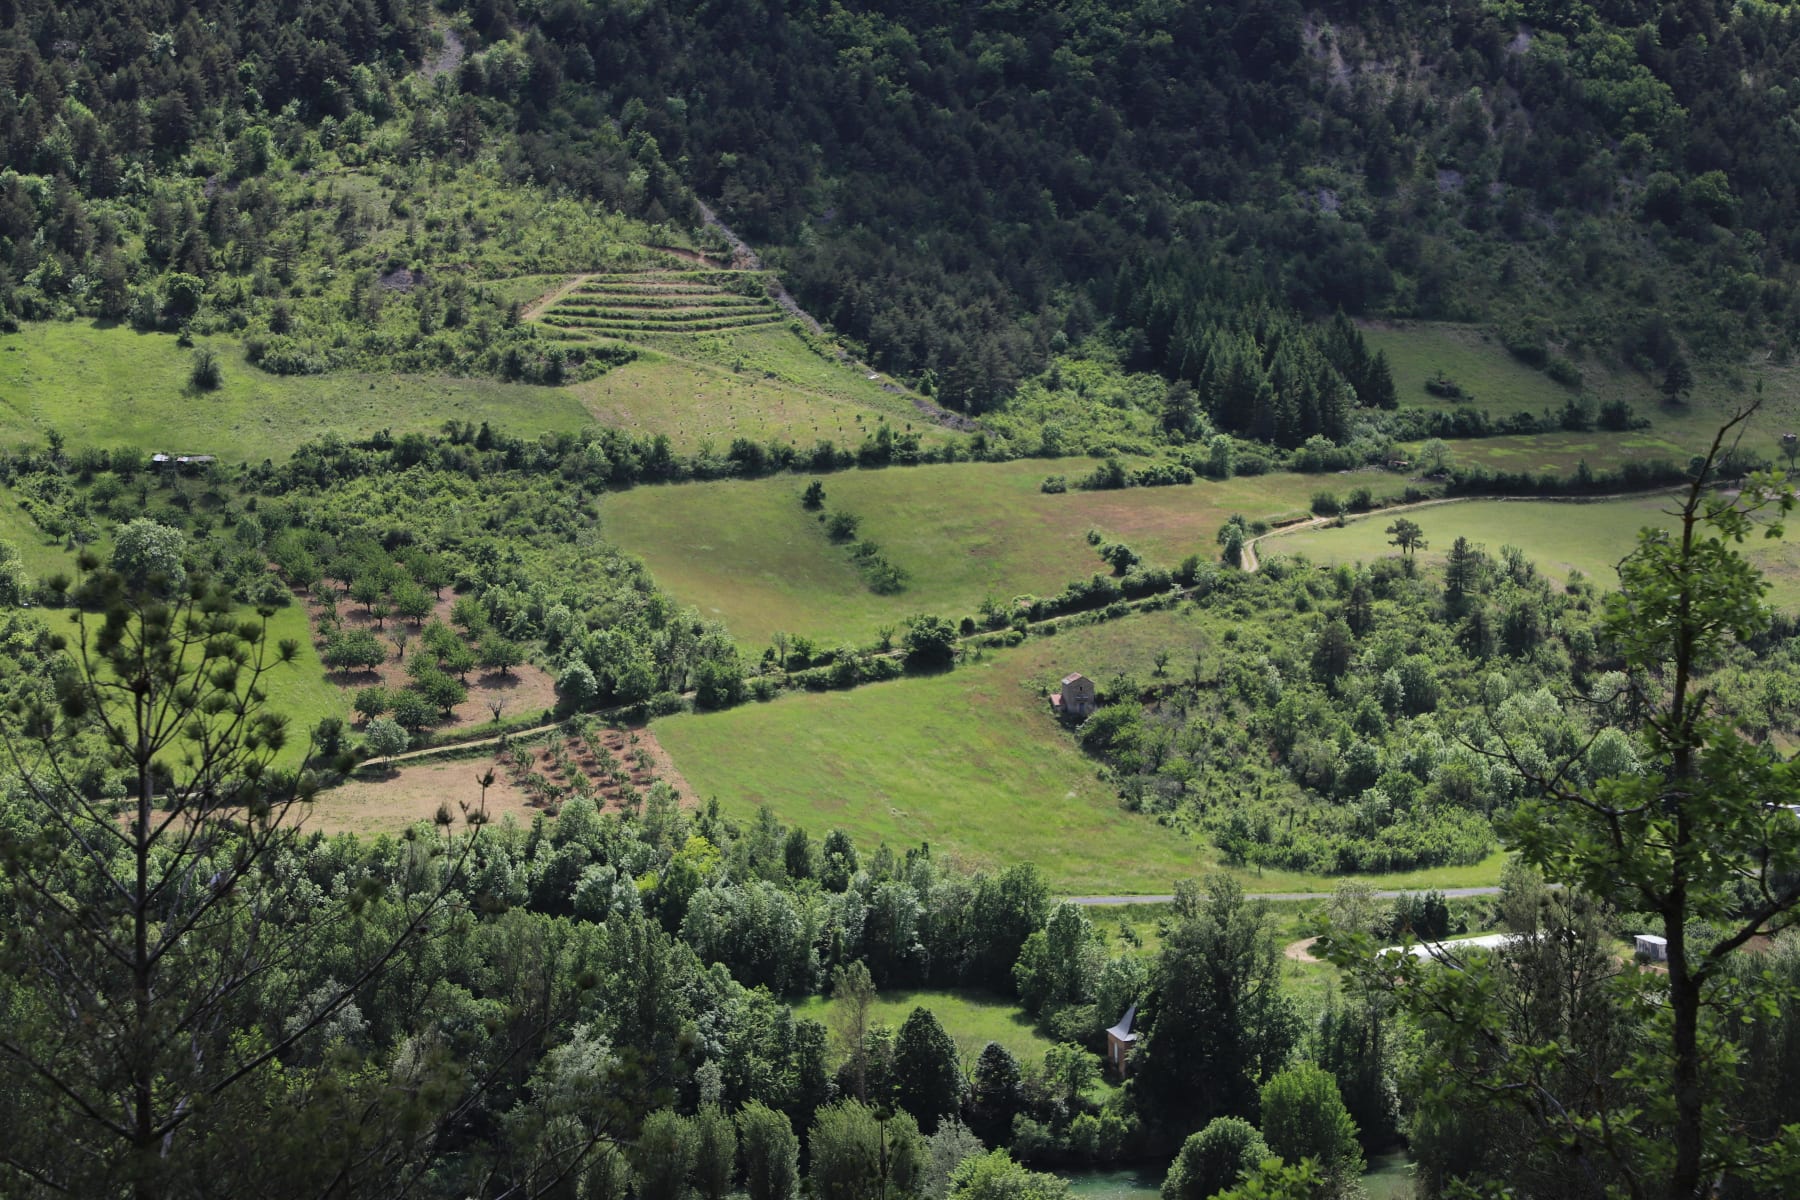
1301	951
398	800
527	688
615	766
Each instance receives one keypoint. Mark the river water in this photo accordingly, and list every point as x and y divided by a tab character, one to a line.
1140	1182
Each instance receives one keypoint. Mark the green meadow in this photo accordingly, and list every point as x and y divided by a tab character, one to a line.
973	1018
1561	537
109	386
747	552
972	762
41	555
1501	384
298	690
697	403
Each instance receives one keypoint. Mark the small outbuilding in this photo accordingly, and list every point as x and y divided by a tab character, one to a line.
1077	698
1651	947
1119	1042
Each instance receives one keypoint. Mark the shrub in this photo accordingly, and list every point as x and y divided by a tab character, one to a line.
205	374
841	526
1303	1116
1214	1159
930	641
1326	504
1563	371
875	670
1444	386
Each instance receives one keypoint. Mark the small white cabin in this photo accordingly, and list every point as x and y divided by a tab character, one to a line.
1652	947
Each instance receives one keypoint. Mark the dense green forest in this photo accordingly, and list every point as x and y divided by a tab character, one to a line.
967	188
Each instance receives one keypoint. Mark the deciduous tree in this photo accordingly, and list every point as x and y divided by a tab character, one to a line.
1407	535
771	1153
1701	832
1219	1023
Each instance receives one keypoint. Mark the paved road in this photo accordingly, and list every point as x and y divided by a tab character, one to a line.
1449	894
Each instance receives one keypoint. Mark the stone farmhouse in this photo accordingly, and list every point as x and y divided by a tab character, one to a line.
1076	700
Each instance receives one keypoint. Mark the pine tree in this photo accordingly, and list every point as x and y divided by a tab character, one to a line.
927	1070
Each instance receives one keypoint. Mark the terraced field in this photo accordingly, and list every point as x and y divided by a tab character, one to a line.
632	304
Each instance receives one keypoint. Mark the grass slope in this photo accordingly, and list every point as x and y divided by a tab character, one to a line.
1501	384
972	762
695	402
716	364
41	555
748	553
1560	537
109	386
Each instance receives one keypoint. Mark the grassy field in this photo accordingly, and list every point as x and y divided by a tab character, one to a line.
1475	359
41	555
110	386
1560	537
716	364
973	1018
696	403
300	690
748	553
972	762
1501	384
297	690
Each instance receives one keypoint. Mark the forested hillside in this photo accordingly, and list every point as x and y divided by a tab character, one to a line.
965	190
965	187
